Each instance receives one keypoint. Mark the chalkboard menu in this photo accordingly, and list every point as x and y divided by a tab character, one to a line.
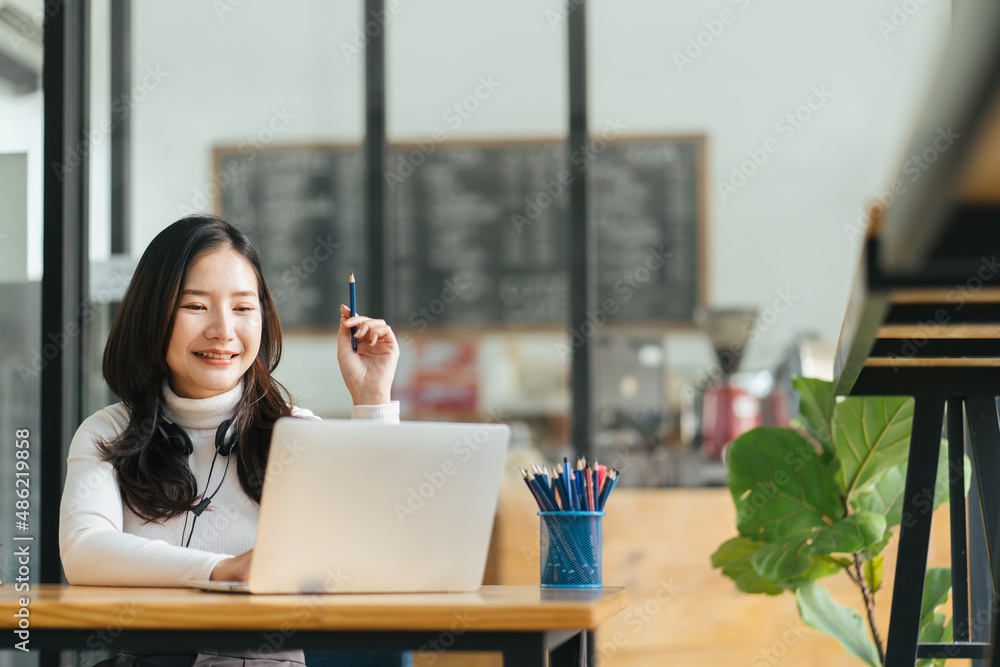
477	234
647	211
470	241
302	206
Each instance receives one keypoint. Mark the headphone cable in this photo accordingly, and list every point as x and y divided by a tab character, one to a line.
204	503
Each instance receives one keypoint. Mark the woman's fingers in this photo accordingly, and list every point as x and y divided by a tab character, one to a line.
368	329
378	326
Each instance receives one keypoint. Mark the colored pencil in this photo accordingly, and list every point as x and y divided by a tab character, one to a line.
534	492
585	488
545	491
568	483
609	484
354	311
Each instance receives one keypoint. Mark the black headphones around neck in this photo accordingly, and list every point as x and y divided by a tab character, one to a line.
176	437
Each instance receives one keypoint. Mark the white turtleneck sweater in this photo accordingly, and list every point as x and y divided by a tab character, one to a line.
102	543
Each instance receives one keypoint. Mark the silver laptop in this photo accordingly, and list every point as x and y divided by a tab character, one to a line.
368	507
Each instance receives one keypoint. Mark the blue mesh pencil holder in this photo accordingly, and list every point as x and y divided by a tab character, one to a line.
571	549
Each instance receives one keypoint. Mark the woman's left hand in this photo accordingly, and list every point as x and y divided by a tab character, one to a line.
369	372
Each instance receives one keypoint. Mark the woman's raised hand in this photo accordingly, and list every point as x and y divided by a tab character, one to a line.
368	373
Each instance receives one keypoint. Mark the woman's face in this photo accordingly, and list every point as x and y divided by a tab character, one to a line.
217	326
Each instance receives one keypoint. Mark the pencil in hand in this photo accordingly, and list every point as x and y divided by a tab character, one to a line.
354	311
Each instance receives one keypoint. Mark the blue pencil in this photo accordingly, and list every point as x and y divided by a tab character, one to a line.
354	311
609	483
543	491
534	491
568	482
557	489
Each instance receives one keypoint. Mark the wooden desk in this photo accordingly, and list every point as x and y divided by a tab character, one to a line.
522	622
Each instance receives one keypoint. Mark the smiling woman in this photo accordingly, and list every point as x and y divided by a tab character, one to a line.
191	355
216	331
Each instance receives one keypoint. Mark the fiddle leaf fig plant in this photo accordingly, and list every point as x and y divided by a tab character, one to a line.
822	498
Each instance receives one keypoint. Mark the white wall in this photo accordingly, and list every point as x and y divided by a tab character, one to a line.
781	232
260	72
21	132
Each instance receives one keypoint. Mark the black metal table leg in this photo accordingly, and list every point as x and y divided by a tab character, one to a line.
956	485
914	534
984	435
572	653
530	652
984	431
980	596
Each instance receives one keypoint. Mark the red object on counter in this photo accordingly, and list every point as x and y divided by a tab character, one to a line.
728	412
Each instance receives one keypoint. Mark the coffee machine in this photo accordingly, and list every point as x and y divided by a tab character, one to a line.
727	410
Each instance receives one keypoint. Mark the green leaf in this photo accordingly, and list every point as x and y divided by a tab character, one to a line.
937	586
850	534
821	567
796	559
871	436
733	556
779	485
785	559
944	473
937	631
886	496
816	402
820	611
873	573
874	550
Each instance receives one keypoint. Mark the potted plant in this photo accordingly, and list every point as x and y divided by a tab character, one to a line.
822	498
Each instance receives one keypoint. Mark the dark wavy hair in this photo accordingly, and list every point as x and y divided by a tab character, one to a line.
155	479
